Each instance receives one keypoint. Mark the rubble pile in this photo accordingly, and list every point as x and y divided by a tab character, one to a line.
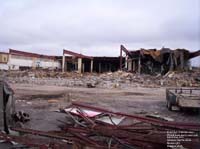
182	79
42	74
107	80
86	126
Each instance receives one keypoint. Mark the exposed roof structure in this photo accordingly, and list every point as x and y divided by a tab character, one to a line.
29	54
76	54
163	60
158	55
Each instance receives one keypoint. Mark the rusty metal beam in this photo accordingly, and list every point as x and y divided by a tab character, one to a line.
29	54
76	54
40	133
178	125
122	48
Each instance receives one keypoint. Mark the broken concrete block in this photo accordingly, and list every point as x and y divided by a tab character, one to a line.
90	85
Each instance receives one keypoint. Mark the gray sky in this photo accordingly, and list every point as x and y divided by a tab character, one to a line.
98	27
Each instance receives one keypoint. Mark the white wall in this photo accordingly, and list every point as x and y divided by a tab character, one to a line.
20	62
49	63
3	66
196	61
16	61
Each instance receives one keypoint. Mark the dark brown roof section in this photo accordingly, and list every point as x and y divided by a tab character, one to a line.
3	52
29	54
76	54
195	54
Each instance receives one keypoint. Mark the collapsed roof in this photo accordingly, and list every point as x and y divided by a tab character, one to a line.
158	55
165	56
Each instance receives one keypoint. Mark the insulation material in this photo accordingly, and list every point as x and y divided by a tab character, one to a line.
88	113
113	120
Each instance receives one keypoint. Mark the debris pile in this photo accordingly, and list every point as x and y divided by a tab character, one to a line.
108	80
42	74
21	116
100	128
88	126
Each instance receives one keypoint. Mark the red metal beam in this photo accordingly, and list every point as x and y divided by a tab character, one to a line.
76	54
178	125
29	54
125	50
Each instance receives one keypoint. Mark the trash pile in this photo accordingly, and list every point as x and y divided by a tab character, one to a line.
88	126
107	80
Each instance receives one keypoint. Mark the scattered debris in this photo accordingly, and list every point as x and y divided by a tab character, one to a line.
197	79
89	126
52	101
109	129
85	112
159	117
90	85
101	128
111	119
116	79
21	116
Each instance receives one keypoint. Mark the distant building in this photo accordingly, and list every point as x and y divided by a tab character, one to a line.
4	60
150	61
20	60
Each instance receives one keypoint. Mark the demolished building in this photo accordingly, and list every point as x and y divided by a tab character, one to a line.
155	61
105	64
72	61
20	60
151	61
26	60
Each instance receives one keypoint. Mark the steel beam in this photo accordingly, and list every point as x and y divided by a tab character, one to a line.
76	54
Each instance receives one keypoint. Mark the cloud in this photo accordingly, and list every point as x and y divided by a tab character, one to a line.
98	27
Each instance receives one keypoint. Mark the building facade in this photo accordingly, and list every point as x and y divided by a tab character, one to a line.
4	60
19	60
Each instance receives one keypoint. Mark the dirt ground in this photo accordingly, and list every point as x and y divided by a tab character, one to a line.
41	102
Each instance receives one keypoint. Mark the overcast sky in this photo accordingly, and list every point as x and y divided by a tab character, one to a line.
98	27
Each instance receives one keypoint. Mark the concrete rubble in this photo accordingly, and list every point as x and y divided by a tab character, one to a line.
107	80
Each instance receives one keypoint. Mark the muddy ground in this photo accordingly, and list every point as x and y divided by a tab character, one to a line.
41	102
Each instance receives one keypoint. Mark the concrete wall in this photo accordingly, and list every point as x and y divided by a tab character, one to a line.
3	66
129	64
16	61
20	61
49	63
